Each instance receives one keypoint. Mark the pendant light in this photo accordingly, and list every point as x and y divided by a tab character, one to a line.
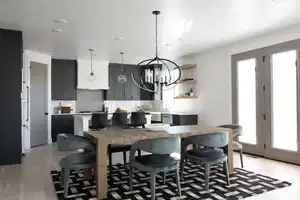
161	76
92	72
122	78
91	76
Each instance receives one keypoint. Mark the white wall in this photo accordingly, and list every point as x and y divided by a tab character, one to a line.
214	75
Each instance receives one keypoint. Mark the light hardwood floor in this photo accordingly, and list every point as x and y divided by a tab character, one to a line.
32	181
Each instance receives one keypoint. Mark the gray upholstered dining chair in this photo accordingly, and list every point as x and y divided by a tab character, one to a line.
237	131
207	156
84	160
161	159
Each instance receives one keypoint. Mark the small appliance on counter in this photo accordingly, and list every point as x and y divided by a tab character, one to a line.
66	109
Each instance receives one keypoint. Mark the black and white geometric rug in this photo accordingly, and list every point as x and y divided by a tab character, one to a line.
242	184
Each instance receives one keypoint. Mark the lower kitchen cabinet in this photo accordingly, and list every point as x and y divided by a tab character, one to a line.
181	120
61	124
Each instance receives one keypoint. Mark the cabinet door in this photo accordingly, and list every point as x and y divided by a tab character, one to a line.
56	81
109	94
69	79
116	89
132	91
67	122
56	126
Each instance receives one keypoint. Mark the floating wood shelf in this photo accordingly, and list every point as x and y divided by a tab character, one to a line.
186	97
188	81
188	66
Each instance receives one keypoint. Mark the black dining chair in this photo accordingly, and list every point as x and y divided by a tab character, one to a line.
119	119
138	119
99	121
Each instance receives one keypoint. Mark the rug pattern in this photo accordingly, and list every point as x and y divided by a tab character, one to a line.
243	184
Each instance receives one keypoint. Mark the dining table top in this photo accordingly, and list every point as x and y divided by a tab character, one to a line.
121	135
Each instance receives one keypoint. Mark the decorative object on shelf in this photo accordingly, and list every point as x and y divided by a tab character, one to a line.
163	77
191	92
188	66
188	81
92	76
122	78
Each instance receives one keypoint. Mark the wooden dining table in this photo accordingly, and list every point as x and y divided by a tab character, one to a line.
118	135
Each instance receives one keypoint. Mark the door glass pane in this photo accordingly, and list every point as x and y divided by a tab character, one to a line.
284	100
247	100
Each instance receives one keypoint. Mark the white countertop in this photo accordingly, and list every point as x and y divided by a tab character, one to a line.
173	113
150	112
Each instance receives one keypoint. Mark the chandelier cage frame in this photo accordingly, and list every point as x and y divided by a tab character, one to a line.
146	65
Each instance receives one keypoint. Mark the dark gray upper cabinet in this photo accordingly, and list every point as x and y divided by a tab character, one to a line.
116	89
132	91
64	79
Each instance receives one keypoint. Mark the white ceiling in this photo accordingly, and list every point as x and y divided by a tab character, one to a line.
93	24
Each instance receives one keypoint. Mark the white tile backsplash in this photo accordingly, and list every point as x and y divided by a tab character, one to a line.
128	105
54	104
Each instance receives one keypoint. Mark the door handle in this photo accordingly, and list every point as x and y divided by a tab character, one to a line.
46	113
27	114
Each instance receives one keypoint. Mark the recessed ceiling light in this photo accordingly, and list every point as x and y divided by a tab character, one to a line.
50	50
57	30
61	21
118	38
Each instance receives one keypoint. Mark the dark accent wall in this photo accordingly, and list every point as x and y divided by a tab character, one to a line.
10	102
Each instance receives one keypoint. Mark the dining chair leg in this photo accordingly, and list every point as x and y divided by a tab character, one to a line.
139	153
62	178
225	170
152	182
164	178
206	176
130	177
182	162
124	157
110	164
178	182
241	156
66	182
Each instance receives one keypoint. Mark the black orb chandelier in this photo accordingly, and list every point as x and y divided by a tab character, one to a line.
157	71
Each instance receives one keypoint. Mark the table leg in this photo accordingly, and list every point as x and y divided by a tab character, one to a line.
101	169
229	152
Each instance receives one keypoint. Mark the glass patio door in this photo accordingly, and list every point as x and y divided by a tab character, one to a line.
266	100
282	97
247	110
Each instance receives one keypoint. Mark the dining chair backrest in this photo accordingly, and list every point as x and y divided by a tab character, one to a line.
120	118
68	142
237	130
138	118
159	146
215	140
99	120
